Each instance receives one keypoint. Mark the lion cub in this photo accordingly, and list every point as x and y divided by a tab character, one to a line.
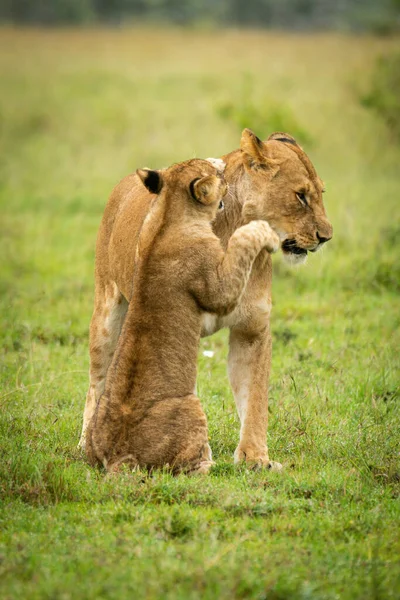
149	414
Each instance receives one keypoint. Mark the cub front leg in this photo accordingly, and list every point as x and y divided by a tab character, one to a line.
249	364
220	287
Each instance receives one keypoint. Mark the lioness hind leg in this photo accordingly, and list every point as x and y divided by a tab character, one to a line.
105	327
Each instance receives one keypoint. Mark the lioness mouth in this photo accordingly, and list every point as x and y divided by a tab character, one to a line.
291	247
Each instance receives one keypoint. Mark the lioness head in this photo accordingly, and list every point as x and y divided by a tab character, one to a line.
285	190
196	187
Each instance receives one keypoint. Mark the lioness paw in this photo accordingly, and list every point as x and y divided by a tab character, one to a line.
256	460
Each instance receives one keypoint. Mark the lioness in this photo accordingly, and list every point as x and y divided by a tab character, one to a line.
282	186
149	415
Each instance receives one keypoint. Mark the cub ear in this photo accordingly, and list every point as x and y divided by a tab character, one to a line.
206	190
279	136
152	180
252	147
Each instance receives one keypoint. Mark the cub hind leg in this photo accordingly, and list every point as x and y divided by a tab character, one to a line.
194	453
203	463
171	433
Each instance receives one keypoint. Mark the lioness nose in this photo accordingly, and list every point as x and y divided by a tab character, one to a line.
323	239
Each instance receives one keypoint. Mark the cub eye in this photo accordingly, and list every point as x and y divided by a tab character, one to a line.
220	205
302	198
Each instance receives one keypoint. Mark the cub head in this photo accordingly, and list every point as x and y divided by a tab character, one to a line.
194	188
282	187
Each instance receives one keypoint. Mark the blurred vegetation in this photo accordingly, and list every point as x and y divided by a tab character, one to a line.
81	108
384	93
260	113
380	17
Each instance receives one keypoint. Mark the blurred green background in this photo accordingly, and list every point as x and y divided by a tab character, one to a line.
80	108
381	17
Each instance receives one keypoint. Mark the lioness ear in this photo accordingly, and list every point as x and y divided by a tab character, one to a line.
206	190
252	147
152	180
283	137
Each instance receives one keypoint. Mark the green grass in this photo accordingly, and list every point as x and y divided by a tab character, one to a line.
79	110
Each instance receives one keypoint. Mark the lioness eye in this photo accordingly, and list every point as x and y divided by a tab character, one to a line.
221	205
302	198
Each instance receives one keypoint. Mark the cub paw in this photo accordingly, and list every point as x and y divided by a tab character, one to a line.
273	241
203	467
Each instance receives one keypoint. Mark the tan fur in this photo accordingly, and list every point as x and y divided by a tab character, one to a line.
263	179
148	415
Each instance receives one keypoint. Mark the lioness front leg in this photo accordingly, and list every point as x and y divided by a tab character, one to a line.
105	327
249	366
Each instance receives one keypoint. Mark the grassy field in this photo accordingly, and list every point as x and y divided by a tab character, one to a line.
79	110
